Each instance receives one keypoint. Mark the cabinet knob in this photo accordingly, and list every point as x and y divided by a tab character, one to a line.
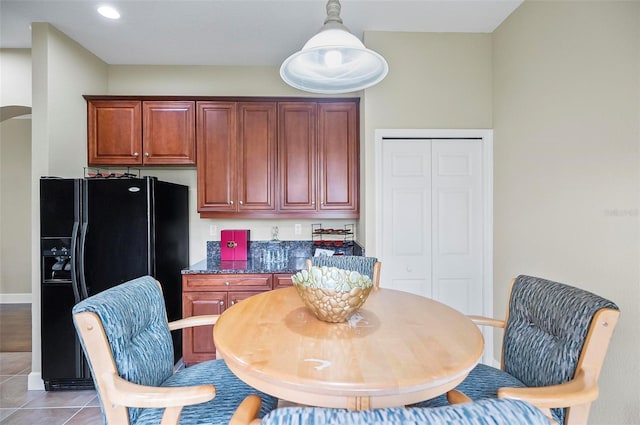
313	202
221	302
227	283
321	202
233	302
240	202
230	202
146	154
136	154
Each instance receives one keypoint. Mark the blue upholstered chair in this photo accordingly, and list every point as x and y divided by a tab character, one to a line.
555	340
369	266
484	412
127	341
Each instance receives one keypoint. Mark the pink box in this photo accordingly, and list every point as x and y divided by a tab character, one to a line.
234	244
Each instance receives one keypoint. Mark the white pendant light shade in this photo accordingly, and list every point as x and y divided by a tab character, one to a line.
334	60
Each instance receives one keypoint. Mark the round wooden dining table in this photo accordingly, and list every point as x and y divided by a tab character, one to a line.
397	349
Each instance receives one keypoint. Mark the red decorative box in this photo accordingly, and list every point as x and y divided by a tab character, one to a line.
234	244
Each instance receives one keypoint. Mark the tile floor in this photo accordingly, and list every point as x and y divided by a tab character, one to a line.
18	406
21	407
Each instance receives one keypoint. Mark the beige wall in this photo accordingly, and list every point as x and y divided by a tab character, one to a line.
15	210
15	177
566	140
15	77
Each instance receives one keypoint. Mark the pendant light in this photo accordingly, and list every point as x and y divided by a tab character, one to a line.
333	60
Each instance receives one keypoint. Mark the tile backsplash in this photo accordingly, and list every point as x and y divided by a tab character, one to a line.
278	250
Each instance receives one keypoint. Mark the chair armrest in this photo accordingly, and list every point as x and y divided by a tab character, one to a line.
457	397
187	322
486	321
581	389
128	394
247	412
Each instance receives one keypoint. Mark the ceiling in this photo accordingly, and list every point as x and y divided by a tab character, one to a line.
231	32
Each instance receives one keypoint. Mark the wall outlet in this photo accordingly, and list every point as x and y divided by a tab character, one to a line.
297	229
213	230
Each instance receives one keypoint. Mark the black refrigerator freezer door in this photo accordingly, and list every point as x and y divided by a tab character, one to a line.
116	243
63	365
57	207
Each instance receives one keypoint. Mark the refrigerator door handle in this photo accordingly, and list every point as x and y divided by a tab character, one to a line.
74	259
83	239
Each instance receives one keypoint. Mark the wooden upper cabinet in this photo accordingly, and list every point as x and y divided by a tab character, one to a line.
297	155
168	133
217	149
236	158
319	159
338	157
114	132
256	170
133	132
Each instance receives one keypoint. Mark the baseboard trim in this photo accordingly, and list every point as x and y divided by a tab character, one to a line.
35	382
15	298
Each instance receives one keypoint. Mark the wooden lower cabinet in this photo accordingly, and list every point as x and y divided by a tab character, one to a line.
212	294
197	341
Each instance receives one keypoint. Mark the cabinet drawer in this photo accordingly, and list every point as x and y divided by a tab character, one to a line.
234	282
236	297
282	281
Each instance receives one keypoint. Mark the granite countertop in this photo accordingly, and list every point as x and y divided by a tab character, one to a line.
217	266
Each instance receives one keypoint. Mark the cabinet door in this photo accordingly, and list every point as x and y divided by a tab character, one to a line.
216	145
256	156
114	130
197	341
297	156
168	133
338	164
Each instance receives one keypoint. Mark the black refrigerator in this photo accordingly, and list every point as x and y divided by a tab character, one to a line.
97	233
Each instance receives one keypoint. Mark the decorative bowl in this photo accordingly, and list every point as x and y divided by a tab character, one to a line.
332	294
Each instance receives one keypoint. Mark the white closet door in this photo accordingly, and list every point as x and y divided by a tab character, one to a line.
406	216
432	220
457	224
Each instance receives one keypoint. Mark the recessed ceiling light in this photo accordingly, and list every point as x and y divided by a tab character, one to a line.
109	12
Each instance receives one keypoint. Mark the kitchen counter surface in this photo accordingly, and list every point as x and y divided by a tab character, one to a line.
217	266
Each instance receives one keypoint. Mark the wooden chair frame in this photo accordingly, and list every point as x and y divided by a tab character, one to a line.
577	394
117	394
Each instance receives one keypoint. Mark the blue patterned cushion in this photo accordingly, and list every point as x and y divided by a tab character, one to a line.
362	265
139	337
546	330
485	412
230	391
547	326
482	382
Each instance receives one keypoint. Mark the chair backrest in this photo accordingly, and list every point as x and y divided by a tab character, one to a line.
124	330
488	411
552	331
369	266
